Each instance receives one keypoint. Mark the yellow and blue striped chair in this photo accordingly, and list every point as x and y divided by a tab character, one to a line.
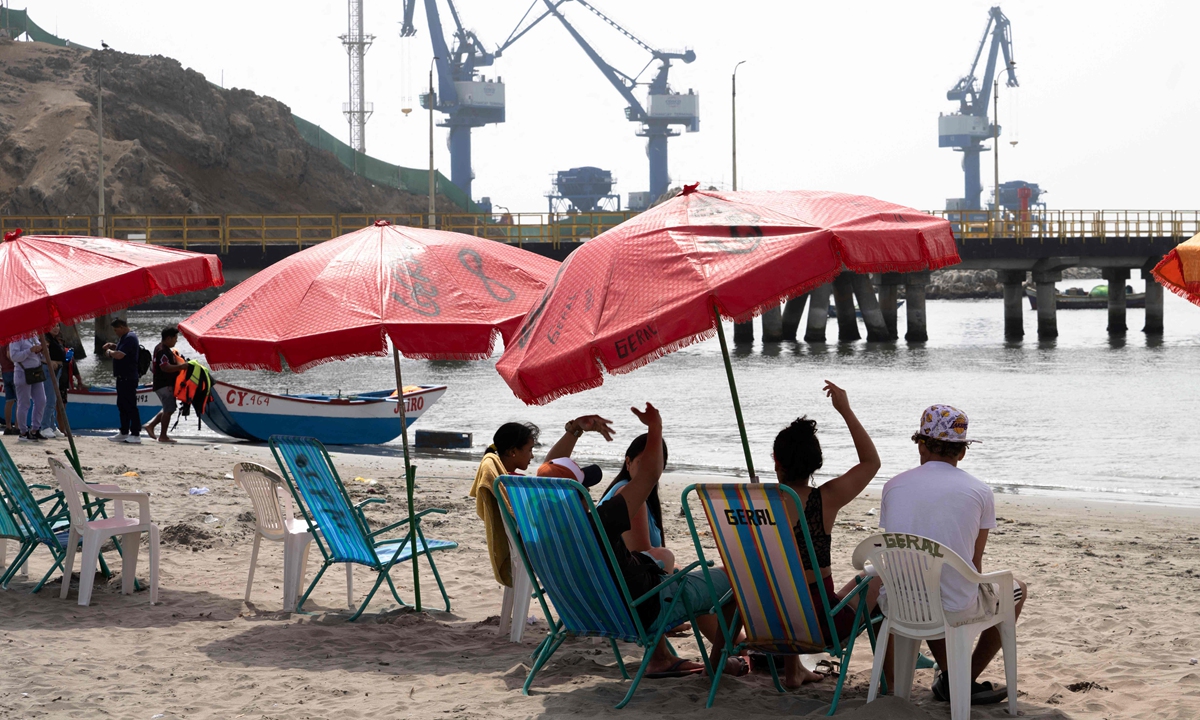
750	527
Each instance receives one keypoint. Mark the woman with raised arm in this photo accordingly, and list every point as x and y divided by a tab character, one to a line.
797	454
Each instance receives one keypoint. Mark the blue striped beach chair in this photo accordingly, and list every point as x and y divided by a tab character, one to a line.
750	527
339	528
568	562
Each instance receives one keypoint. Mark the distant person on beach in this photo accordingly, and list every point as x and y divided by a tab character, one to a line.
124	354
944	503
797	455
642	571
7	367
53	418
511	452
165	367
26	354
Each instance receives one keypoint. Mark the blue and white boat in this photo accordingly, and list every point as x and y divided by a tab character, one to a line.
365	419
96	407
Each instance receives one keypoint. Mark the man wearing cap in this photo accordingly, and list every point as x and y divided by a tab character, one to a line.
124	354
943	502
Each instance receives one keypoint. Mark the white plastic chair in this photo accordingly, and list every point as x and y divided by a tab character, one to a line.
275	520
96	532
911	569
514	609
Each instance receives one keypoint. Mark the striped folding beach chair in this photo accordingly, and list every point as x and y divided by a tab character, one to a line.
750	526
24	519
339	528
569	562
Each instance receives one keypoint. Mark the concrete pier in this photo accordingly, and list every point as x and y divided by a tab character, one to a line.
818	314
1154	303
743	332
772	325
792	313
843	299
914	306
104	332
864	292
70	336
1014	303
889	294
1116	278
1047	310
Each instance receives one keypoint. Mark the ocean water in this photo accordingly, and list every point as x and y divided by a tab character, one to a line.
1083	416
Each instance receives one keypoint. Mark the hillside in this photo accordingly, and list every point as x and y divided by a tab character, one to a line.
173	143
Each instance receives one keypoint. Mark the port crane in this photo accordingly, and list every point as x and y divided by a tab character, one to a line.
966	129
663	109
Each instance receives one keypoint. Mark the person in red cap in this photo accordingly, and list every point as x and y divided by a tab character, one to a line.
941	501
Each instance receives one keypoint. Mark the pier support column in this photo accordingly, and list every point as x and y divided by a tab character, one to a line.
1116	278
843	300
104	333
71	338
1154	303
792	312
818	314
1047	310
864	292
914	306
772	325
743	332
1014	297
889	292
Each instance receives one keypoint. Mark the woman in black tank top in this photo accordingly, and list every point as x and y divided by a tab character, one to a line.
797	454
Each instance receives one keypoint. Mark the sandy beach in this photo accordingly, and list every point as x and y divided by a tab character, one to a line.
1109	631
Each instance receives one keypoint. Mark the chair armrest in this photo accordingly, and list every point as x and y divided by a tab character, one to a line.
142	499
405	521
369	501
674	577
860	588
38	487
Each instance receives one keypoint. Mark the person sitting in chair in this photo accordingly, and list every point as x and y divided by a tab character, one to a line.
941	501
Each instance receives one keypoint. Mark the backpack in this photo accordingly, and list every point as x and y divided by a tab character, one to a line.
144	360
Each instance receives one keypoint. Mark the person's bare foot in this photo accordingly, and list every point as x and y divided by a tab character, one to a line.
167	440
148	429
672	667
796	675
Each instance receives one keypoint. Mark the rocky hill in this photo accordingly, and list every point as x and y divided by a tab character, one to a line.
173	143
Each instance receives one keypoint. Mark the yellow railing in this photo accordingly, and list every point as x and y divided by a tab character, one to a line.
1059	225
220	232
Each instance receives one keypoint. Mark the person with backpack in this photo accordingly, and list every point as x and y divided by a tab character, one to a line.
165	367
125	356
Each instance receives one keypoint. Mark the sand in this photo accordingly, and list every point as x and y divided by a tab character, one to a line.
1109	631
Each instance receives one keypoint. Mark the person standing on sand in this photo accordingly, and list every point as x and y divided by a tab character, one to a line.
944	503
26	355
165	368
124	354
7	368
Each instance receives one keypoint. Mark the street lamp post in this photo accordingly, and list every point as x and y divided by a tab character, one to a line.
735	69
100	135
432	185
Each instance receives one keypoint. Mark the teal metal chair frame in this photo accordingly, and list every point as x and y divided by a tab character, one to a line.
414	538
834	649
637	632
22	518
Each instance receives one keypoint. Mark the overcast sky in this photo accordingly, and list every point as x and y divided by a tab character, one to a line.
833	95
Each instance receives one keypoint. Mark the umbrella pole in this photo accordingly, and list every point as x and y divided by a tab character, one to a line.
59	405
410	476
737	406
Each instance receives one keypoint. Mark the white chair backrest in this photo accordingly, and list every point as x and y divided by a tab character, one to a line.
70	484
272	503
911	569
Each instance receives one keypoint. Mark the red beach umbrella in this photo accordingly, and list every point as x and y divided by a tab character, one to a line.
51	279
662	280
436	295
1179	271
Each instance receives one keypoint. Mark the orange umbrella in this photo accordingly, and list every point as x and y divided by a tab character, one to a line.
1179	271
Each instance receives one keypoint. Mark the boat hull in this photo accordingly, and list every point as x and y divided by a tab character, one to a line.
365	419
96	407
1085	302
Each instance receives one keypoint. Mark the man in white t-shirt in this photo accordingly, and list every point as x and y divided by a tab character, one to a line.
942	502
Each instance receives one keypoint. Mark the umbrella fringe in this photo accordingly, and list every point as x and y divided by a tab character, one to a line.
779	299
106	310
589	384
1187	293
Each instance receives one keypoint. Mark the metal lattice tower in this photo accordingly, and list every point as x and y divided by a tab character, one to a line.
357	110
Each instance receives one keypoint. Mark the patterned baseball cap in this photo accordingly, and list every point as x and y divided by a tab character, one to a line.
943	422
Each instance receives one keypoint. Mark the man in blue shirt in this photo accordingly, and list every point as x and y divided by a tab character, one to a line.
124	354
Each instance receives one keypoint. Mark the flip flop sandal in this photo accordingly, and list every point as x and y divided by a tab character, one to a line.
982	693
674	671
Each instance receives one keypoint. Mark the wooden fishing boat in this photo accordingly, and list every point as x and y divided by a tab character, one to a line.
95	408
364	419
1081	300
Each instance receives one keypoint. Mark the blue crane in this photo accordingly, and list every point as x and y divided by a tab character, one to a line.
663	109
468	99
966	129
